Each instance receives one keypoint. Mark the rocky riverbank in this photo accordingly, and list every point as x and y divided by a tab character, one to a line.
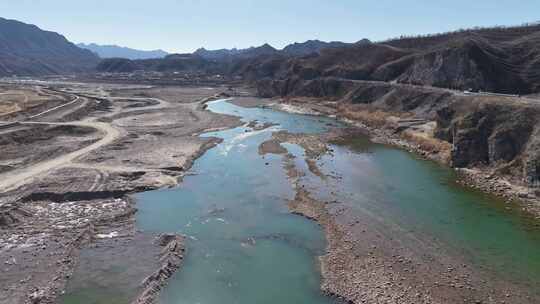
366	263
171	258
494	151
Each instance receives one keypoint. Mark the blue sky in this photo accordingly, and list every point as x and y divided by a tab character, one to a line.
184	25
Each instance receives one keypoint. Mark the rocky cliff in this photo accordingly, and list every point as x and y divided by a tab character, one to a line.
494	132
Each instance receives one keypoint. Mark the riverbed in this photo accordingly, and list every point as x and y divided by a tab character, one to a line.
244	246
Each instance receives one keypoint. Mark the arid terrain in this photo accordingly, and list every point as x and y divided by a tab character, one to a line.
76	151
71	154
79	143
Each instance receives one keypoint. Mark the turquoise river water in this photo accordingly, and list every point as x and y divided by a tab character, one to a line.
243	246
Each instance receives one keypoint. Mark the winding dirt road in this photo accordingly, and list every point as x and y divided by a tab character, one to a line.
14	179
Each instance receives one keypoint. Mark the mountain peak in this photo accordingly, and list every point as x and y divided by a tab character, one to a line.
310	47
28	50
266	45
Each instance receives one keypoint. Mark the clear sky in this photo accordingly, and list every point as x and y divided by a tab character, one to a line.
185	25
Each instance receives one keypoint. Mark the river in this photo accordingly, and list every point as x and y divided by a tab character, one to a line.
244	246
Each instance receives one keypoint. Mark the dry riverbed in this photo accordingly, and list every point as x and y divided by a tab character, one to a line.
82	202
67	174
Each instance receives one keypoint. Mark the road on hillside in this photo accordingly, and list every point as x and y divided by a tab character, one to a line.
452	91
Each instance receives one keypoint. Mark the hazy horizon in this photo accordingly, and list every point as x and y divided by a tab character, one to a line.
184	26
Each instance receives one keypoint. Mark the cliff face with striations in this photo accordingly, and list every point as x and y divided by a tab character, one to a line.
498	133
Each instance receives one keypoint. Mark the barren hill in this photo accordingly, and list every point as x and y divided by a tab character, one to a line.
311	46
28	51
505	60
502	60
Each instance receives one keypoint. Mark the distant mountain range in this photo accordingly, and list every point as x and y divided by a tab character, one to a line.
114	51
26	50
311	46
227	54
224	61
173	62
295	49
500	59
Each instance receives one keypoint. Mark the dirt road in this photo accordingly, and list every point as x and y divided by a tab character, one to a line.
13	179
76	99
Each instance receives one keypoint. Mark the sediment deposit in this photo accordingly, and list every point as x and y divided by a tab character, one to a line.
67	173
